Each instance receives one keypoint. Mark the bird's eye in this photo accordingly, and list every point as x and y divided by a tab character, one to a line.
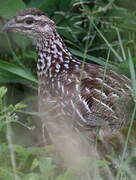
29	21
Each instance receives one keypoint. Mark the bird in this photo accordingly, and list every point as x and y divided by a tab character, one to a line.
88	96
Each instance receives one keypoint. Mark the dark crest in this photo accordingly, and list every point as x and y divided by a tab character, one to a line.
31	11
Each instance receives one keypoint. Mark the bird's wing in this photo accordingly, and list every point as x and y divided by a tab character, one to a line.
103	99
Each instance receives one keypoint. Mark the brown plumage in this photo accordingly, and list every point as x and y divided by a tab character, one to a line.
87	97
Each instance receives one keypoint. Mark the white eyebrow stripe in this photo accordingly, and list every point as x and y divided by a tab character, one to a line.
42	17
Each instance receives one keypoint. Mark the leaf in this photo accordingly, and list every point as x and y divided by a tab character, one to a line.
18	71
22	151
102	163
9	8
3	91
35	164
7	77
20	105
46	167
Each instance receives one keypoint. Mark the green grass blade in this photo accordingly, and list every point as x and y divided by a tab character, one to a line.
132	72
18	71
93	59
108	44
133	78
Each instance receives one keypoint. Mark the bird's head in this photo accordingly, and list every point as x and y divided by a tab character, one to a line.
31	22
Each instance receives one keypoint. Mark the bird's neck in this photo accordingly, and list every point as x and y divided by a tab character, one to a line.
53	56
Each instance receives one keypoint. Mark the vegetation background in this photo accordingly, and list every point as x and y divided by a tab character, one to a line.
99	31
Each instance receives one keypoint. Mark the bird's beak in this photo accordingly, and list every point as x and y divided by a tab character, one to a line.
8	26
